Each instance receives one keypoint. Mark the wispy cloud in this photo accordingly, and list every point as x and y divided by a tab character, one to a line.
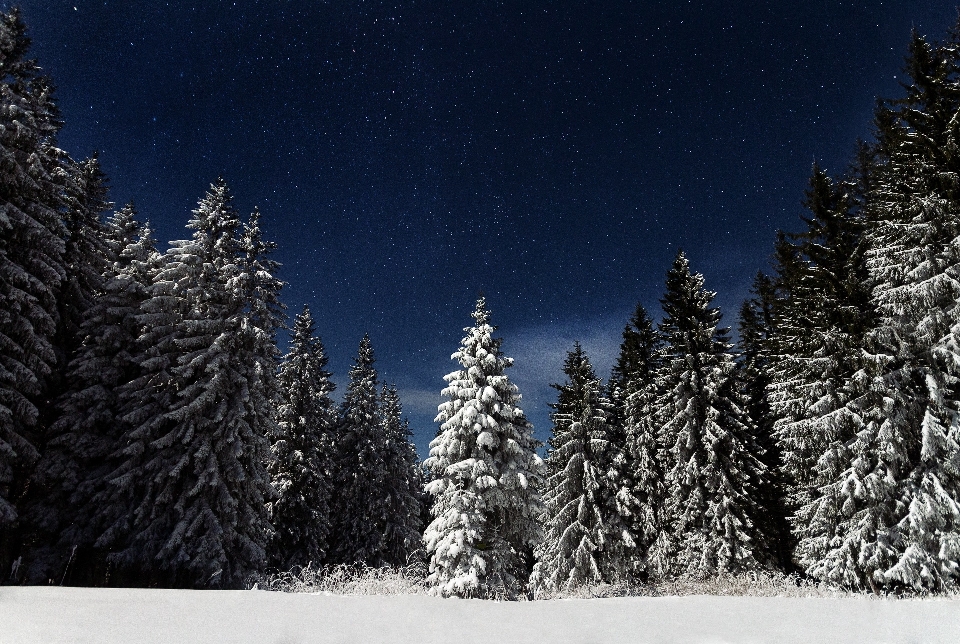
539	352
420	401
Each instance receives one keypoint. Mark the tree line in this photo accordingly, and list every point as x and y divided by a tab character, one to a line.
152	434
825	443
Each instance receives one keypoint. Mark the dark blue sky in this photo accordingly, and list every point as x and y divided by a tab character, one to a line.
406	156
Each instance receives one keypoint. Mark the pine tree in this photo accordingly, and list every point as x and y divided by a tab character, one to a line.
822	328
757	330
892	516
196	452
587	539
402	484
486	475
359	515
87	431
302	465
633	391
31	260
85	255
713	473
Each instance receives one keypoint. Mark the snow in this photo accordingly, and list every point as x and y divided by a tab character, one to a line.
38	615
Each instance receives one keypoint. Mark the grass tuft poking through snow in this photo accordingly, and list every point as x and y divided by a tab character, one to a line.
349	580
411	580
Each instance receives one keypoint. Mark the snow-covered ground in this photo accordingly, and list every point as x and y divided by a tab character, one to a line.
52	615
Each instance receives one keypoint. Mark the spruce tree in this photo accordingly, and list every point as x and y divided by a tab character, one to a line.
890	518
359	514
821	329
713	473
757	329
403	527
633	389
65	518
486	475
196	451
31	261
302	465
587	539
85	254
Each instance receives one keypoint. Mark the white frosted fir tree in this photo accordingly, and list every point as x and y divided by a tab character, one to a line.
67	512
403	482
892	517
32	234
712	470
487	476
196	453
302	464
587	539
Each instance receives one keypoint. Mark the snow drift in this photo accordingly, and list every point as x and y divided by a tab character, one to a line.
35	615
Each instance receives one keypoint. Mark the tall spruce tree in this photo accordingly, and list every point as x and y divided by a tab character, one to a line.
360	509
890	518
195	454
634	374
302	464
403	529
713	473
64	516
587	540
821	329
31	262
486	475
757	329
85	253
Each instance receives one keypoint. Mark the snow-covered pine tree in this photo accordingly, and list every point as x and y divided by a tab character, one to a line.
359	511
820	332
31	260
85	256
756	330
631	377
64	517
403	532
892	516
587	539
636	360
713	473
487	475
196	452
640	353
302	465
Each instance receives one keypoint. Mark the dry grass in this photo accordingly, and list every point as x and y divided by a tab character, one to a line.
349	580
411	580
758	584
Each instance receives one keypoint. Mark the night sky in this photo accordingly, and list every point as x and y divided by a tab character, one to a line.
407	156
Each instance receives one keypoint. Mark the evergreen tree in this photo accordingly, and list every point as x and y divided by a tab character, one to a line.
195	453
302	465
637	358
713	473
634	393
360	510
822	328
890	518
85	255
31	261
757	331
64	517
402	485
587	539
486	475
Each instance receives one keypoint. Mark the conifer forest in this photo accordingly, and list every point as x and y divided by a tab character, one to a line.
157	429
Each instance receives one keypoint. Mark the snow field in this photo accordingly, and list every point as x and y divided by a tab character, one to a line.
47	615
